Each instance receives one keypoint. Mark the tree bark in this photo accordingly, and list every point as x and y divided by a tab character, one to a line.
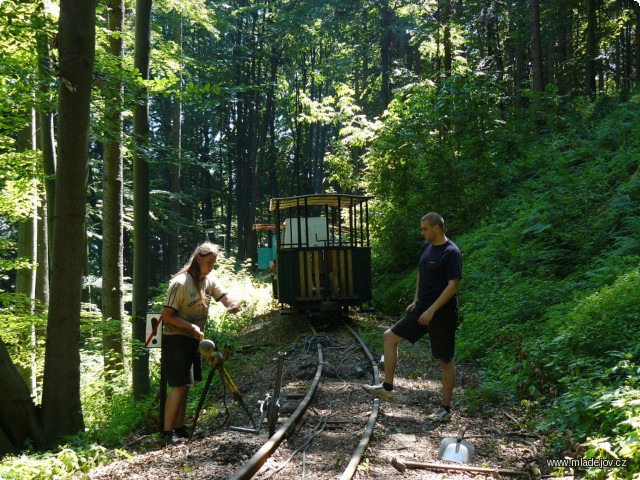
385	53
228	200
536	46
243	128
42	273
591	48
112	214
628	36
45	120
297	167
142	230
448	47
174	187
19	419
28	250
27	229
636	42
252	240
61	408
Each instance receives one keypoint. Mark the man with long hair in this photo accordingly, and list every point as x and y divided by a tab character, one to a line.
184	317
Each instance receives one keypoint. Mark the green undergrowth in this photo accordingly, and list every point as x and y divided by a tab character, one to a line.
112	419
553	277
550	304
72	460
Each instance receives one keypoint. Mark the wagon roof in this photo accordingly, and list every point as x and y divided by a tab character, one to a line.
319	199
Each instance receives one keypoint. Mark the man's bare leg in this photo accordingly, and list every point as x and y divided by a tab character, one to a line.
179	421
173	410
391	341
448	381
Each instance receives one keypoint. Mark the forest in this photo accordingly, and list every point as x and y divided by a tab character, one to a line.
130	132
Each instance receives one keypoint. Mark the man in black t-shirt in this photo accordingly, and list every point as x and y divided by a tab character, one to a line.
434	310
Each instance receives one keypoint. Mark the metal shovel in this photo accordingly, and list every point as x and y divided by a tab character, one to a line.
456	449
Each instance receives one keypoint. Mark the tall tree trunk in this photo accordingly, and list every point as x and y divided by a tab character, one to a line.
492	35
245	158
228	198
142	230
636	42
563	50
297	165
591	48
19	420
252	239
627	39
240	162
273	160
618	57
27	229
536	46
45	120
61	408
448	47
112	214
28	250
42	274
174	187
208	208
385	53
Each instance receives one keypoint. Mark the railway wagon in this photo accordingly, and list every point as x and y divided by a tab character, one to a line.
323	254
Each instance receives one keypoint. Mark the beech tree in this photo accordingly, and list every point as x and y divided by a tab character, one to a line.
61	408
28	247
141	239
113	198
173	242
45	144
61	412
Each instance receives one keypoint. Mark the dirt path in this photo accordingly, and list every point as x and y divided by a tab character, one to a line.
402	431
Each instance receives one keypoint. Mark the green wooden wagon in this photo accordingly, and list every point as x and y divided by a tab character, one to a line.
323	254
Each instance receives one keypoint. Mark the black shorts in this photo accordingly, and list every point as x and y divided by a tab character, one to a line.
181	360
442	330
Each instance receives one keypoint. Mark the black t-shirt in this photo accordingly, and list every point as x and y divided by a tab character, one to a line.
438	264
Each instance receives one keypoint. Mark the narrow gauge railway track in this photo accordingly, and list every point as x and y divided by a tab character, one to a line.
333	420
323	427
217	452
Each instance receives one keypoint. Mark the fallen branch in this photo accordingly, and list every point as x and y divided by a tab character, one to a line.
403	465
512	418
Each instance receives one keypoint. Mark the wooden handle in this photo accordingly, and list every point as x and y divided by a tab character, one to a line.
402	465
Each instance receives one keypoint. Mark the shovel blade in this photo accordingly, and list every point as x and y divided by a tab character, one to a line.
456	451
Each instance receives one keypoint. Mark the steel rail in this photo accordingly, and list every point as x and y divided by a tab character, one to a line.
368	431
251	467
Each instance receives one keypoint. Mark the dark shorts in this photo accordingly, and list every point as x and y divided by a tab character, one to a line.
441	330
181	360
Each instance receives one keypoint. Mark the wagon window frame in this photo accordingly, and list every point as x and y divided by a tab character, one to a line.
357	226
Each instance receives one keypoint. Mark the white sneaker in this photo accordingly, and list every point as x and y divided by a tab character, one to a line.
380	392
440	415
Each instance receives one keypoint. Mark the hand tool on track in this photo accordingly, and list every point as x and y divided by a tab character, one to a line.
456	449
216	359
